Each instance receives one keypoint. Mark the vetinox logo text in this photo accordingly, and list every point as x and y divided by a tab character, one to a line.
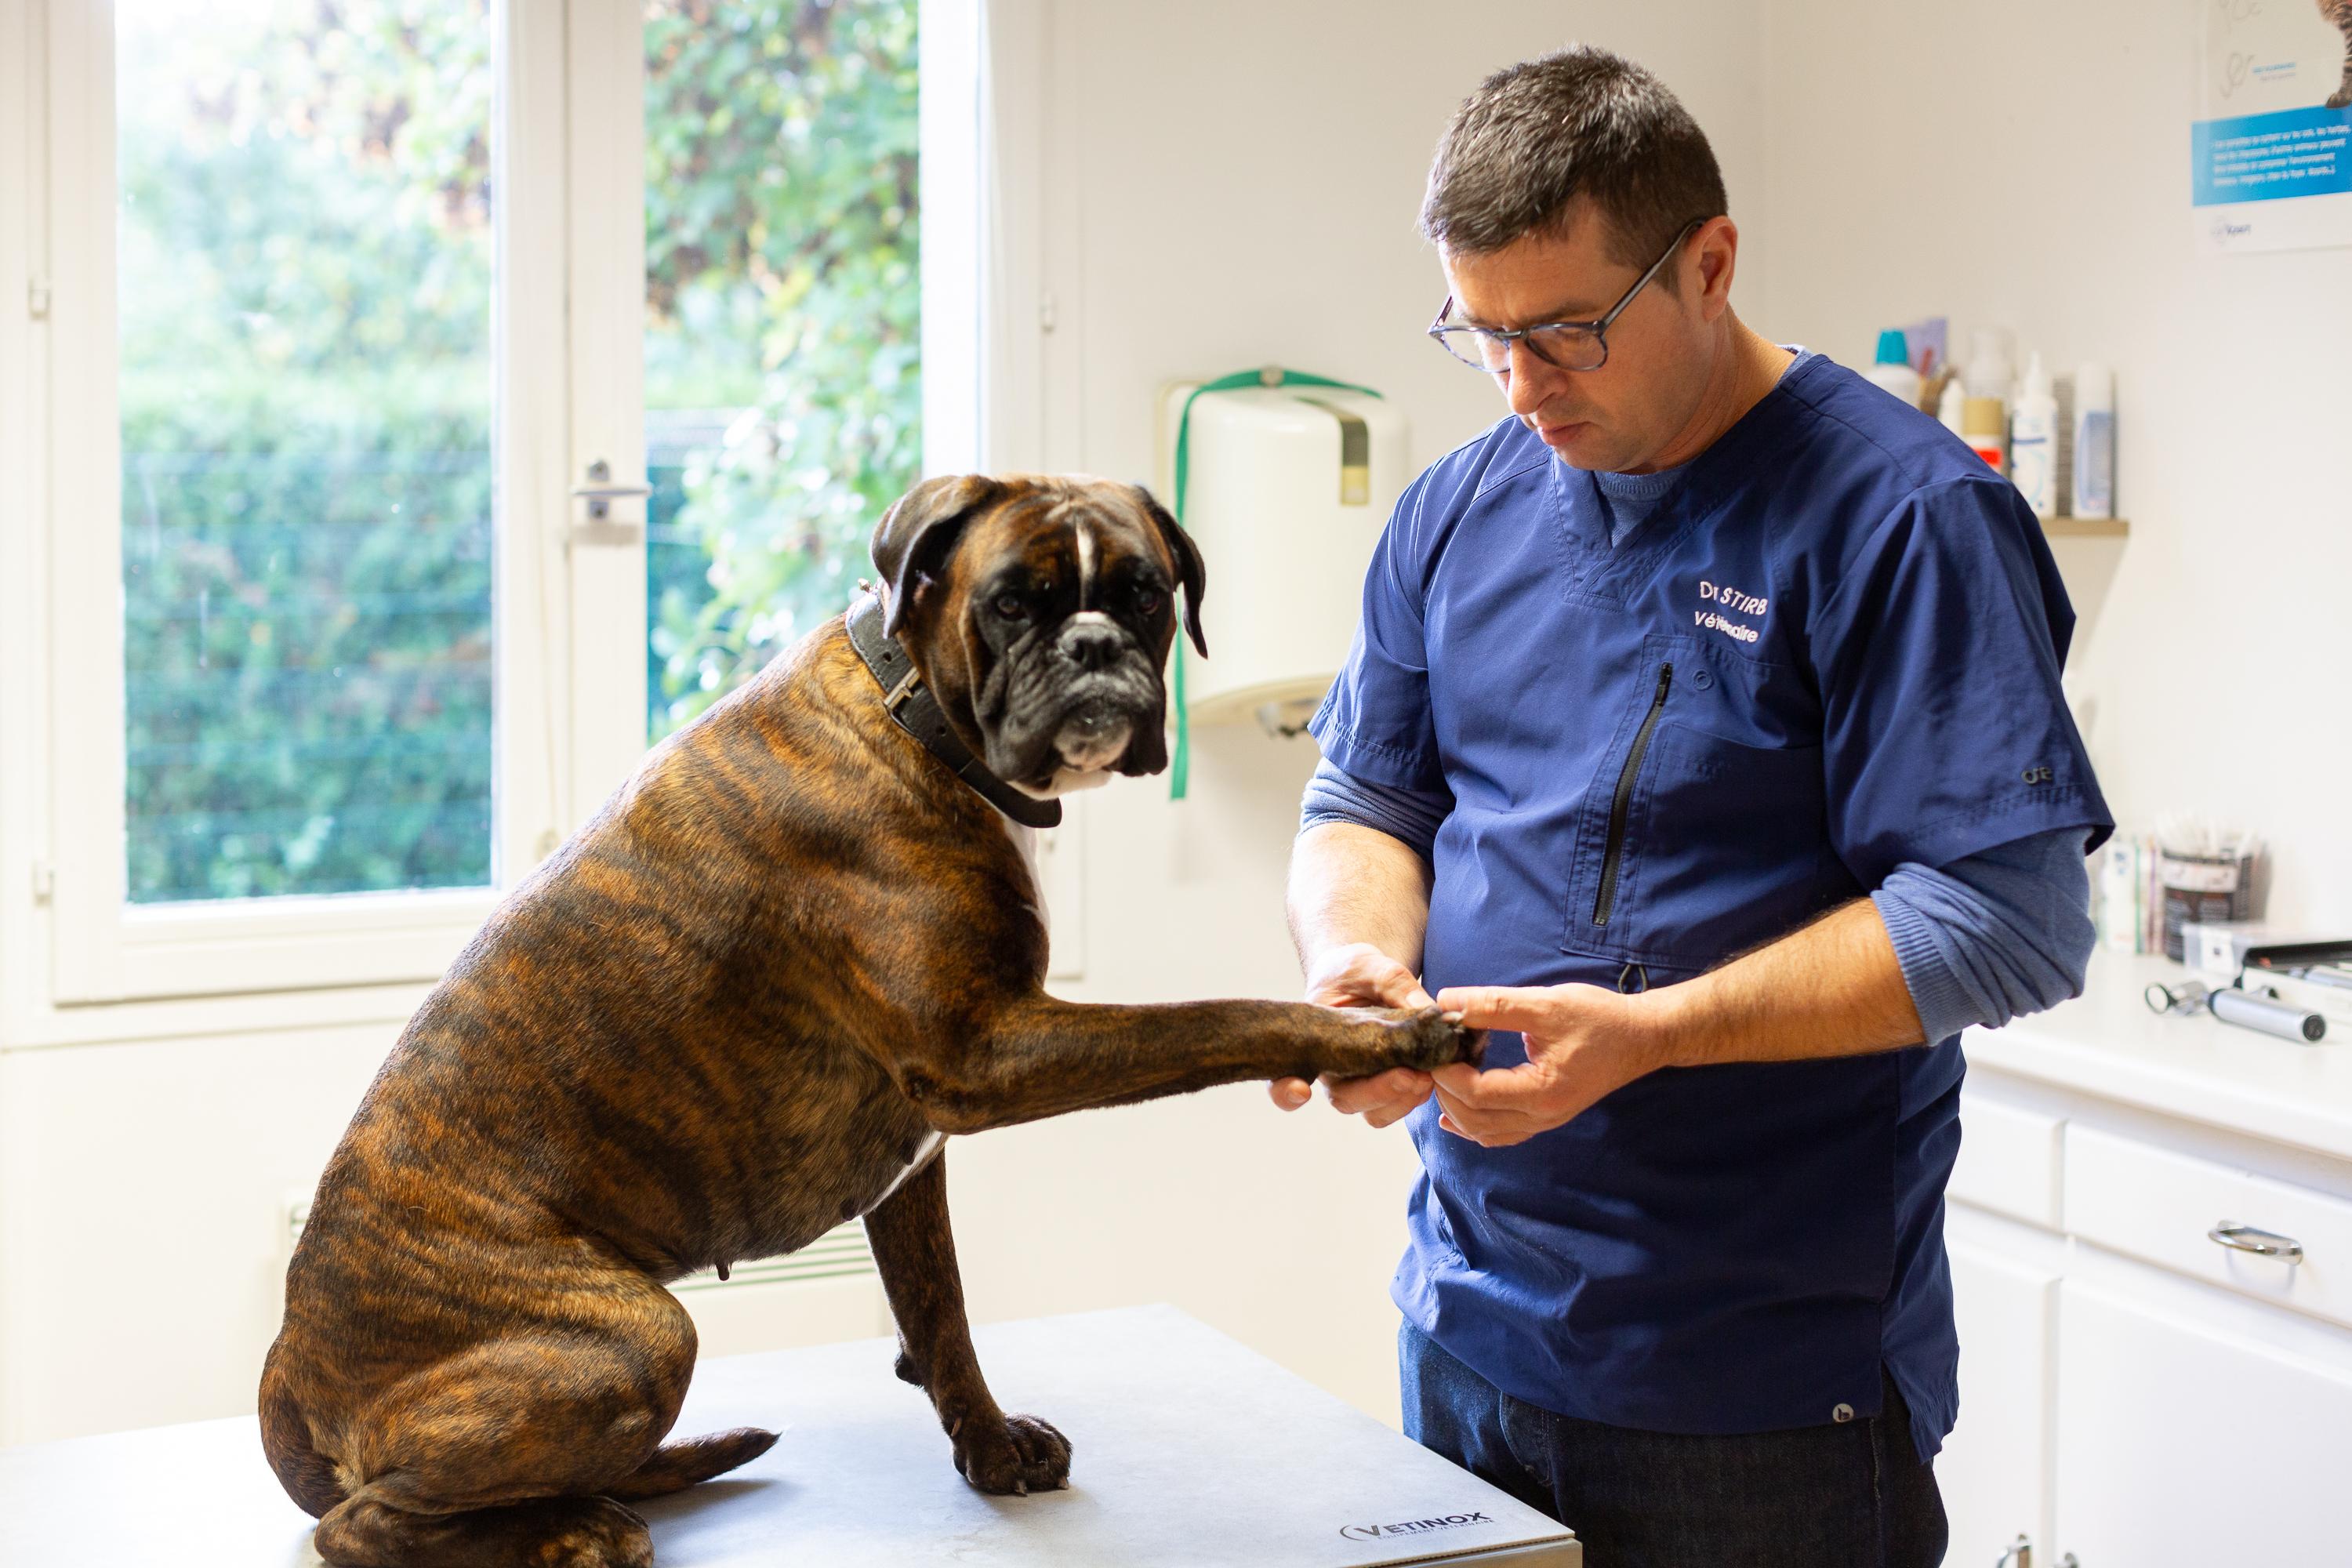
1412	1526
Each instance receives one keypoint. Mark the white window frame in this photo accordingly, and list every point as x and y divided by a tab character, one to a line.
77	962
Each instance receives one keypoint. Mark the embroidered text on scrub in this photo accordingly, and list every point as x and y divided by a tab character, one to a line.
1729	628
1732	599
1736	601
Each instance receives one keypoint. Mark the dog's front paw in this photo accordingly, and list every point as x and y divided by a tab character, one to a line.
1012	1454
1423	1038
1427	1039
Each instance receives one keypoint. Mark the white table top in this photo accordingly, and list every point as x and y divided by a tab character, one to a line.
2106	1043
1188	1450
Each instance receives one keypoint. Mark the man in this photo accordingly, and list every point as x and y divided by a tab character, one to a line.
1703	731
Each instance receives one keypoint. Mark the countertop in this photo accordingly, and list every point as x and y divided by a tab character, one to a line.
2106	1043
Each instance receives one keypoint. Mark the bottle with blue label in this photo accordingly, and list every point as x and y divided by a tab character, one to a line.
2033	441
2095	441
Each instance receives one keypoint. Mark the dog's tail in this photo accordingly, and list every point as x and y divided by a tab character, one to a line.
677	1465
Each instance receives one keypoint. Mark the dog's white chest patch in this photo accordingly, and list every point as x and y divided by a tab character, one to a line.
923	1153
1025	840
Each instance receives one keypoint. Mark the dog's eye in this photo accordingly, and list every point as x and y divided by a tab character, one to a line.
1010	606
1147	602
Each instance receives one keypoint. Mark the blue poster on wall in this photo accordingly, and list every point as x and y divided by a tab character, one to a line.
2270	151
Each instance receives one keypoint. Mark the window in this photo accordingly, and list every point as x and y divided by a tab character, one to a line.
305	260
344	304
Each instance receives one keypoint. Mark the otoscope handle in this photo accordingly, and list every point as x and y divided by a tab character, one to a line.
2252	1012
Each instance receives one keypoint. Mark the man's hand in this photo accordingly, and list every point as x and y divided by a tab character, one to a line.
1583	1043
1362	975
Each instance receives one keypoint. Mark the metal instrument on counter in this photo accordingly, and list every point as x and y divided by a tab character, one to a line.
2272	990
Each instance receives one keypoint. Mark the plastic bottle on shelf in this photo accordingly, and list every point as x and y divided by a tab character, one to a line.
2033	441
1985	426
2095	441
1894	370
1952	409
1990	372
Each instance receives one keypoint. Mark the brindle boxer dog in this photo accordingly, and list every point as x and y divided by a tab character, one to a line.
746	1003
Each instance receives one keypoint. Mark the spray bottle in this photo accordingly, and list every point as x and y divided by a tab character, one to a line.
2033	441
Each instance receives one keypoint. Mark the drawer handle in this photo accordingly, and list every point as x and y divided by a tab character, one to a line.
2261	1243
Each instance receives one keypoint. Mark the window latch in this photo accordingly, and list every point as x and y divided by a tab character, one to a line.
600	492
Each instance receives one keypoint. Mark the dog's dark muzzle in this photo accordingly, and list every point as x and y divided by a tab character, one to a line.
1091	704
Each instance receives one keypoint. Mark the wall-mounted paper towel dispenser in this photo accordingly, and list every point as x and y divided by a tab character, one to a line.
1286	492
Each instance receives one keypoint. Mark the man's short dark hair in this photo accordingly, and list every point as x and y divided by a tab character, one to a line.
1581	122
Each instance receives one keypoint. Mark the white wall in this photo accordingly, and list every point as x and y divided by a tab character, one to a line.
1236	182
2027	164
142	1218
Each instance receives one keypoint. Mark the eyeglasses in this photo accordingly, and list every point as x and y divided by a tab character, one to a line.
1570	345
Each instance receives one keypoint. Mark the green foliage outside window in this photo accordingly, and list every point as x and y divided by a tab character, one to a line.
783	279
306	401
306	404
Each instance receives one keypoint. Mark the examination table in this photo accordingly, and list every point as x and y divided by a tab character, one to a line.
1190	1452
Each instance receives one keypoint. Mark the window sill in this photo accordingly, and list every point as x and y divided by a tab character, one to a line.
279	963
37	1028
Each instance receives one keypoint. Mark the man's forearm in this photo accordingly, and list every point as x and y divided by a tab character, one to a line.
1351	884
1832	989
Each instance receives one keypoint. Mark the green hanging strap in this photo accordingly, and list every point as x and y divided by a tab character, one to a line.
1180	771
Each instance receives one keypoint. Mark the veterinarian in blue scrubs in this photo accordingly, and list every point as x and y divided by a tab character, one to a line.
1703	737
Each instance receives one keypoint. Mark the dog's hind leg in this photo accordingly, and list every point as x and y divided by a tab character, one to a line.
916	1254
508	1452
556	1533
305	1474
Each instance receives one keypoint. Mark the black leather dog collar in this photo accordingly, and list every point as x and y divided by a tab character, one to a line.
913	708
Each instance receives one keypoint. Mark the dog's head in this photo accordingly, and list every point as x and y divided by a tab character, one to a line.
1039	609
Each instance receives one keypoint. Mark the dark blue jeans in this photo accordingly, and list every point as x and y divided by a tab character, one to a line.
1847	1496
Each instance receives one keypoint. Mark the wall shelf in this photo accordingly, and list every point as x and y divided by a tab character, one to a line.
2087	528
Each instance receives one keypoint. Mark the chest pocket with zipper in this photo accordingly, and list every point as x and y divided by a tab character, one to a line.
1694	846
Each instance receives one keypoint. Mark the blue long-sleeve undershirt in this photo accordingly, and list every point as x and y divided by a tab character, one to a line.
2004	932
1989	938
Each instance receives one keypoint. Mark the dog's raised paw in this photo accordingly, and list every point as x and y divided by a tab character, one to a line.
1434	1039
1013	1456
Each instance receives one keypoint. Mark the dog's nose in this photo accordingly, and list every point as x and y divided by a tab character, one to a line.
1093	645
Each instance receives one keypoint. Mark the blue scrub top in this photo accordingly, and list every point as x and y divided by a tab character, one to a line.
1833	646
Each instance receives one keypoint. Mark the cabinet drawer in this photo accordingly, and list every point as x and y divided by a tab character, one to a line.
2009	1161
2160	1206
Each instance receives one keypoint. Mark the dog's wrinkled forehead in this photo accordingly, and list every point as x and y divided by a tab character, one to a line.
1057	529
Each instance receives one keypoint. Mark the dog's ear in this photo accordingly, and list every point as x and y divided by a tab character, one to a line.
1190	569
915	536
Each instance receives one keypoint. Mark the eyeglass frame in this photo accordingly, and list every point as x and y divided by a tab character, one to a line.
1599	327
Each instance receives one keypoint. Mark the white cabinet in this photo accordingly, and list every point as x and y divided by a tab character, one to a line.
2134	1393
1994	1467
2191	1443
2129	1195
2010	1157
